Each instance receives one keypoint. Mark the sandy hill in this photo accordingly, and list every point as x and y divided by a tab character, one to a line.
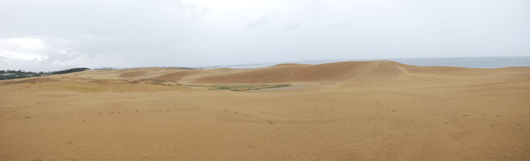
344	71
341	72
368	110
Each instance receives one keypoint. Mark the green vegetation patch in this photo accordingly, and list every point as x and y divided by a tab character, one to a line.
191	85
245	87
155	81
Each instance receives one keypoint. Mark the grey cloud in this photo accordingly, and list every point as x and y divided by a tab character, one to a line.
195	11
57	56
140	30
342	26
264	20
207	10
291	27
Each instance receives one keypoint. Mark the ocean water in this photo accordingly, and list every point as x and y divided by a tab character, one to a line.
468	62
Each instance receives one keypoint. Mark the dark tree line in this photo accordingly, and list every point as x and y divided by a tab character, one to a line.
70	70
13	74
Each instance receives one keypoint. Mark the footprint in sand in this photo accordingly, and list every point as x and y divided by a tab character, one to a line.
465	115
259	118
498	115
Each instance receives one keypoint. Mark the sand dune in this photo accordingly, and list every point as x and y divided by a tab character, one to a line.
280	74
372	110
133	74
176	76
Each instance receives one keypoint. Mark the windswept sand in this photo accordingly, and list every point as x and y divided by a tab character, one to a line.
373	110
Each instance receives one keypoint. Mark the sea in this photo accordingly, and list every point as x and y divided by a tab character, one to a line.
467	62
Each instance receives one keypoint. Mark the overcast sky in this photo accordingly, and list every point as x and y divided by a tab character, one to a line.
47	35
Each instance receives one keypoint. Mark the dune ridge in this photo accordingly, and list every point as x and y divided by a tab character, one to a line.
342	71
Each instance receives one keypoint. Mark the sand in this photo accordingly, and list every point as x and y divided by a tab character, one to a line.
374	110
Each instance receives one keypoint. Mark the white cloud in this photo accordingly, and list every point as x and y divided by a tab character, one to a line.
23	56
25	48
24	43
292	26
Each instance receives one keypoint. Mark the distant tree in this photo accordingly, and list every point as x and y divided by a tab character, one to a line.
24	74
105	68
70	70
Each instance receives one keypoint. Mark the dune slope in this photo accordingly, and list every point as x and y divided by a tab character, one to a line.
374	110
